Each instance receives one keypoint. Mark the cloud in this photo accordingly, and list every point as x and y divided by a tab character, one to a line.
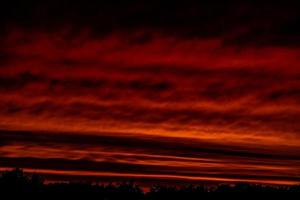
155	156
189	89
247	22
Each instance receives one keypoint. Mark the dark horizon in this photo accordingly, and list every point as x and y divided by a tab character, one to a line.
16	182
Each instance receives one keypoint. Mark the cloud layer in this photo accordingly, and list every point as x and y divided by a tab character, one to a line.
198	97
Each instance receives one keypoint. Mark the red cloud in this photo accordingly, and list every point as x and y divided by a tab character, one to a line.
171	87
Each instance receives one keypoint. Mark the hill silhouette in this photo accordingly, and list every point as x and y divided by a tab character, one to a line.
15	183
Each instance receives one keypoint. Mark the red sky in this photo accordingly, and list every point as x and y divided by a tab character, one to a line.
149	104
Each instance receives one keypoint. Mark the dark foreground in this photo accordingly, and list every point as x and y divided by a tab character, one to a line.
15	184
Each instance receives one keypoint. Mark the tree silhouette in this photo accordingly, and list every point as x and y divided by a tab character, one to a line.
15	183
14	180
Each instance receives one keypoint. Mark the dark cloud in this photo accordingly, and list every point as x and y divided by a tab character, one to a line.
152	144
121	98
256	22
280	121
19	81
291	93
85	165
153	156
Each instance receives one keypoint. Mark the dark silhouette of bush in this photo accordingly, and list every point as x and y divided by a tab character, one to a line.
16	184
14	181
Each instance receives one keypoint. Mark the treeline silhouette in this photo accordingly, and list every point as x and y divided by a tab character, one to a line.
15	183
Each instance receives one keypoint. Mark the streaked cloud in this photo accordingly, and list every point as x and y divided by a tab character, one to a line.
152	98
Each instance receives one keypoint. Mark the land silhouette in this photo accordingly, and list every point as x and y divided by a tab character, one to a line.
15	183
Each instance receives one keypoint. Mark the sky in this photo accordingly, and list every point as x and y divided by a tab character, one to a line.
159	92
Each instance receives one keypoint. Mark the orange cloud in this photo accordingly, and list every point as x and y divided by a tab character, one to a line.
222	111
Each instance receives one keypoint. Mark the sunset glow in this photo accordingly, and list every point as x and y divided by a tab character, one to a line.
146	102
